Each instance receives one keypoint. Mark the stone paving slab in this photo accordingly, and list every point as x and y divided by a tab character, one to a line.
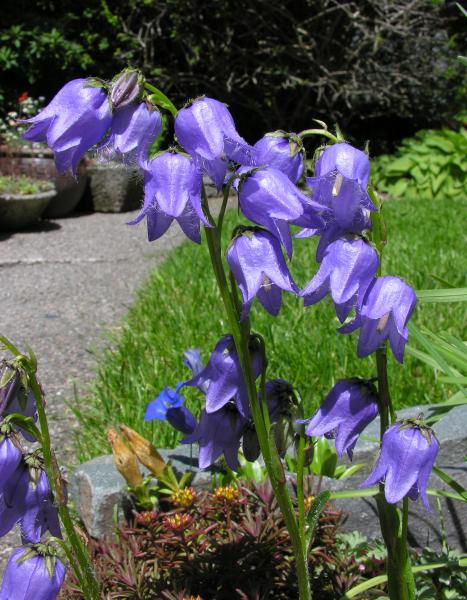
61	284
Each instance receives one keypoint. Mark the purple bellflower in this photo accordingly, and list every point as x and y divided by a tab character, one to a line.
224	377
344	414
206	130
14	397
12	497
134	129
76	119
344	160
268	197
28	576
168	406
283	151
408	453
386	310
10	453
347	269
172	190
218	433
40	513
256	261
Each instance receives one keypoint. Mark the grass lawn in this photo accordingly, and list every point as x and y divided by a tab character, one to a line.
179	307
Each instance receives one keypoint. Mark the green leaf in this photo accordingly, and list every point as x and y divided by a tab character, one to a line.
160	99
451	482
314	513
442	295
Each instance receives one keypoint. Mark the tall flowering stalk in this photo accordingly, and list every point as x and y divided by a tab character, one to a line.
242	408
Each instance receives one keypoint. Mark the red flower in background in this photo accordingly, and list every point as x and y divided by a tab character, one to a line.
22	97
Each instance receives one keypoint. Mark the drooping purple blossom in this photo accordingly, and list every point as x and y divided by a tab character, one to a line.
282	151
224	376
218	433
28	578
76	119
40	513
172	190
347	161
206	130
134	129
344	414
268	197
386	310
408	453
181	419
15	397
168	398
12	497
256	261
10	454
347	269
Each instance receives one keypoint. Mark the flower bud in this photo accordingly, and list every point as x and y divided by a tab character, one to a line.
125	459
147	454
125	88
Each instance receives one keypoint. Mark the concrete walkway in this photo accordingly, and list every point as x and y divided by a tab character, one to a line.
61	284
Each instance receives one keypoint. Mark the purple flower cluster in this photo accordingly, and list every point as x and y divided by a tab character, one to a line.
25	497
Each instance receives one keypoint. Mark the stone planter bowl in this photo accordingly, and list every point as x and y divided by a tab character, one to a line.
115	188
19	211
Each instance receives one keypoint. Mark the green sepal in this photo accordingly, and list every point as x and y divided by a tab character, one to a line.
158	98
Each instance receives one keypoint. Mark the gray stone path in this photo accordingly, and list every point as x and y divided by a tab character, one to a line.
61	283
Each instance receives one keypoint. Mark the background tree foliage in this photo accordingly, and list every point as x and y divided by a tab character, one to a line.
382	68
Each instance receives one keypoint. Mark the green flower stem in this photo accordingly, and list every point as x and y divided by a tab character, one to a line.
401	584
83	571
300	493
275	469
324	132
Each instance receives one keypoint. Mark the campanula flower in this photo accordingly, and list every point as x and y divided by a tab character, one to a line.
172	190
344	414
15	397
28	576
76	119
283	151
40	513
206	130
408	453
10	453
218	433
347	269
386	310
12	497
134	129
224	376
168	398
181	419
268	197
344	160
256	261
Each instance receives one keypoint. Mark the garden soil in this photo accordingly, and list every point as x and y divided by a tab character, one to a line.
64	283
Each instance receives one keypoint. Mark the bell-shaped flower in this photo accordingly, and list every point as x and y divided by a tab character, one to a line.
10	453
347	269
282	151
31	574
256	261
206	130
346	214
268	198
224	378
408	453
15	397
168	406
218	433
134	129
12	497
172	190
344	160
40	514
76	119
126	88
344	414
386	310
